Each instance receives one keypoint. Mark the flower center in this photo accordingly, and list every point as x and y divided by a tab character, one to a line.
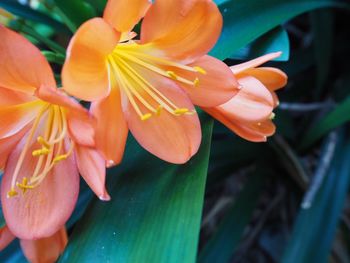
52	122
125	65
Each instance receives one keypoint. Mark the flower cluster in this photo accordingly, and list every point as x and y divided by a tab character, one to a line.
149	85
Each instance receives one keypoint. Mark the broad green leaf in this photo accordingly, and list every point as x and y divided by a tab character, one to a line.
74	12
154	215
12	254
273	41
26	12
222	245
246	20
315	227
335	118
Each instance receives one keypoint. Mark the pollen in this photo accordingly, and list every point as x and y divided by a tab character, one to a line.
42	151
12	193
172	75
181	111
196	82
43	142
200	70
146	116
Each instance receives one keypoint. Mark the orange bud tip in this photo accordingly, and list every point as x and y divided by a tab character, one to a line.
200	70
145	117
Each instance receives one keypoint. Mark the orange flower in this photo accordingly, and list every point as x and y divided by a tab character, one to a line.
149	85
249	114
42	250
45	139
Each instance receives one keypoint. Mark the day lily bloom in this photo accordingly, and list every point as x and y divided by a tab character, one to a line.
249	113
46	139
42	250
149	85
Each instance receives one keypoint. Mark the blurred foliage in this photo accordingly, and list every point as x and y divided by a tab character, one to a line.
281	201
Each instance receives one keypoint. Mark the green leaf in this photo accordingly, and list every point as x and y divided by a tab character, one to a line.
334	119
54	57
222	245
26	12
315	227
246	20
273	41
154	215
74	12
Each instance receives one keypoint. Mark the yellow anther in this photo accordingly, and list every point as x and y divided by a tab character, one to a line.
159	110
24	185
172	75
43	142
192	112
196	82
59	158
200	70
145	117
12	193
42	151
272	116
181	111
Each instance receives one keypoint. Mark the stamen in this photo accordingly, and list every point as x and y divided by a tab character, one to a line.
43	142
172	75
200	70
42	151
181	111
145	117
12	193
196	82
159	110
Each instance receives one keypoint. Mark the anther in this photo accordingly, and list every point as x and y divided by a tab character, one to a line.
181	111
145	117
43	142
12	193
159	110
196	82
42	151
172	75
59	158
200	70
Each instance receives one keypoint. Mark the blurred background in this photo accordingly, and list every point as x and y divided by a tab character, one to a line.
281	201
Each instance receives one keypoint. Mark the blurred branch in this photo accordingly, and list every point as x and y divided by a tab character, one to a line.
302	107
322	170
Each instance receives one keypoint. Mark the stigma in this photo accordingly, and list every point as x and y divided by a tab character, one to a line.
46	145
125	65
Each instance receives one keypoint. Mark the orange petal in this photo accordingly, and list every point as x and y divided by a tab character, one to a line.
236	69
112	130
11	97
272	78
8	144
91	166
81	128
184	29
15	118
22	66
47	249
6	237
172	138
252	103
42	211
124	15
254	132
85	73
215	87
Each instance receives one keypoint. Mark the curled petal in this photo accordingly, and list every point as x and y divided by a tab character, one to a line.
6	237
183	29
82	128
42	211
236	69
22	66
45	249
112	130
15	118
91	166
252	103
85	73
124	15
215	87
172	138
272	78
